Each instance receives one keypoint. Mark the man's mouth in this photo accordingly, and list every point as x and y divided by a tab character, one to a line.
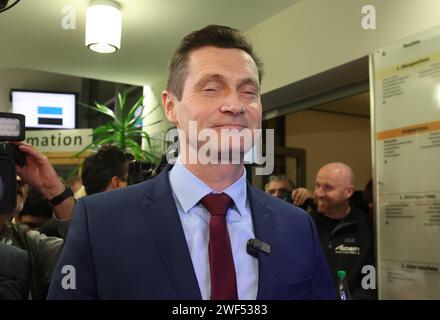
230	126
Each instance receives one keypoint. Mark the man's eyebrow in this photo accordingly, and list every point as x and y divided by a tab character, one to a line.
250	81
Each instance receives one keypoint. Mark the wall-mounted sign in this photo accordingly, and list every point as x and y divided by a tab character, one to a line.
59	140
407	172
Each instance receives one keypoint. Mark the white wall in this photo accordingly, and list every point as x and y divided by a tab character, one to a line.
329	137
312	36
33	80
156	131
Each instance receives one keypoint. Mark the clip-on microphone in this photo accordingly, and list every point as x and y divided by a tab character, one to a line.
254	246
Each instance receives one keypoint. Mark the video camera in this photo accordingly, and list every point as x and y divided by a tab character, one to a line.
286	195
11	129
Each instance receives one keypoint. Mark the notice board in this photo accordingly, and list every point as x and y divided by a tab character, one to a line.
405	83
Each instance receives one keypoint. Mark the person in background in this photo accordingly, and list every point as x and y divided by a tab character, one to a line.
304	198
280	186
42	251
36	210
106	170
343	230
75	183
77	186
13	273
37	214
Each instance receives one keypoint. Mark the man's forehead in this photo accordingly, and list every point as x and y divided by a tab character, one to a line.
213	51
214	57
274	183
332	177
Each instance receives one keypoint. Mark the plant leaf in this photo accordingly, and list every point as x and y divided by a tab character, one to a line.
132	111
104	129
122	98
123	130
104	109
152	110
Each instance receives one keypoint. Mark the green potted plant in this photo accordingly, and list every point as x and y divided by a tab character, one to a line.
123	129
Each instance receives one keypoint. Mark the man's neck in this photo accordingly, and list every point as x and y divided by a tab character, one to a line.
217	176
339	213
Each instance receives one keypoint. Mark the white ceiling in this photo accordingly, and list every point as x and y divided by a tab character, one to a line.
31	35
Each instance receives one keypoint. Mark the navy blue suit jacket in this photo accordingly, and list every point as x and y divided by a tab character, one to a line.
130	244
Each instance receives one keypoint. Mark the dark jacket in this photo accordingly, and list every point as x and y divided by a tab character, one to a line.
42	254
349	246
13	273
129	244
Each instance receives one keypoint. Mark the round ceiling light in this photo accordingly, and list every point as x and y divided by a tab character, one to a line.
103	26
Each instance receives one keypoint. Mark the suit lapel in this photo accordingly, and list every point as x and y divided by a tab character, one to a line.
167	231
265	231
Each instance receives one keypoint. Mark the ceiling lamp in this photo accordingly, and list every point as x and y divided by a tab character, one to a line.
103	26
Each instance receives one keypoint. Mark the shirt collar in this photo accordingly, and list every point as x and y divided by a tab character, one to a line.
189	189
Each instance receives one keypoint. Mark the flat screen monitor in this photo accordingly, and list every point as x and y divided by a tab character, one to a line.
45	110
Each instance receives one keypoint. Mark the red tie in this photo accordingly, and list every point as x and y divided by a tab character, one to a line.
221	263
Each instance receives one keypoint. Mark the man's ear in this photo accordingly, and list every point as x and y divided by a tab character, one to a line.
168	103
349	191
115	183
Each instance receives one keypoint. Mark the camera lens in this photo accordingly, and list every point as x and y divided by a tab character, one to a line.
286	196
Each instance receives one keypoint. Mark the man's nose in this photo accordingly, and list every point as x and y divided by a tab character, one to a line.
319	192
277	193
233	104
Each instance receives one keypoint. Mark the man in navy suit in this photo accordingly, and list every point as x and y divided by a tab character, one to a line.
184	234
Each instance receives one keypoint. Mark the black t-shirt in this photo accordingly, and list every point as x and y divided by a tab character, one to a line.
329	223
347	245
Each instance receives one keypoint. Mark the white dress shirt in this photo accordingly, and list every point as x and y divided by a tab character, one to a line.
188	190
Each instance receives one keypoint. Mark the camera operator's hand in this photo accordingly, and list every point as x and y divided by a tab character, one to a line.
40	174
300	195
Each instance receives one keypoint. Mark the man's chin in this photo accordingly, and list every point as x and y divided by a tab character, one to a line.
229	155
322	208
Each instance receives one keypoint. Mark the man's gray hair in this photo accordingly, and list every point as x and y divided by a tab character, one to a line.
279	177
